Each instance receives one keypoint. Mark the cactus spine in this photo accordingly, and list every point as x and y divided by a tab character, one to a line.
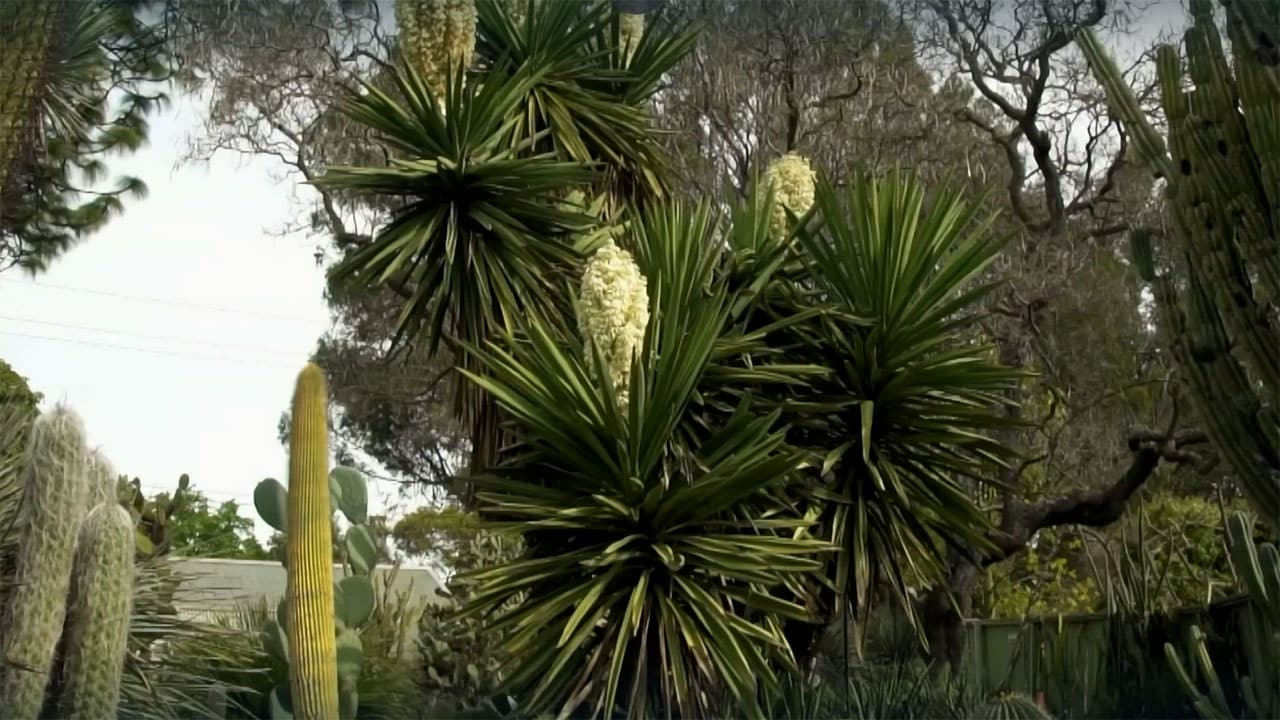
313	669
54	491
98	621
1223	200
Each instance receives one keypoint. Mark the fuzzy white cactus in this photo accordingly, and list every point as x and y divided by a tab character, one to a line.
102	481
98	619
55	493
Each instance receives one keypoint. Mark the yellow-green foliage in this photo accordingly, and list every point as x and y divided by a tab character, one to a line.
437	35
1045	580
1182	536
313	669
98	619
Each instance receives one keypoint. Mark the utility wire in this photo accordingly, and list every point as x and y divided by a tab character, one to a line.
148	351
160	301
141	336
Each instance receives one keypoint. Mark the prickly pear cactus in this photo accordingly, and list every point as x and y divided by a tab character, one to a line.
98	618
54	492
1010	706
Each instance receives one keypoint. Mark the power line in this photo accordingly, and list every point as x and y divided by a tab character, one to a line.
146	351
160	301
140	336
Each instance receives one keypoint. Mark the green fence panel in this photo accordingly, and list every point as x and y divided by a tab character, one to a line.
1087	665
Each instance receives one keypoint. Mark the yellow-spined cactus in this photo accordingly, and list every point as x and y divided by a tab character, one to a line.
630	29
613	313
436	35
794	183
313	664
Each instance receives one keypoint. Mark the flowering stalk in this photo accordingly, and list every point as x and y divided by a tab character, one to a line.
793	181
613	313
436	36
630	28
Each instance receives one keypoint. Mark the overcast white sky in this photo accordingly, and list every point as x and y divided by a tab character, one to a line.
165	387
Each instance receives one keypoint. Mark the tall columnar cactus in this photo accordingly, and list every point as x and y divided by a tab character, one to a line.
54	492
98	620
1222	171
313	671
353	597
1257	568
437	36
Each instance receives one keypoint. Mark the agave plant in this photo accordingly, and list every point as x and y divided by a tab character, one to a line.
646	588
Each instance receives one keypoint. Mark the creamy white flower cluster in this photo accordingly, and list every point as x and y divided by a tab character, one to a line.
793	181
518	10
437	34
613	312
630	28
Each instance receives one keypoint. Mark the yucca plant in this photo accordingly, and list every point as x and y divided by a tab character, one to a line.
645	589
590	103
478	240
900	424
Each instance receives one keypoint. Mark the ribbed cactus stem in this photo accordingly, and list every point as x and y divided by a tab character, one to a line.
1222	199
98	622
313	667
54	491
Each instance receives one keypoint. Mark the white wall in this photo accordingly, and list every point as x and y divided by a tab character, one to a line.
215	587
